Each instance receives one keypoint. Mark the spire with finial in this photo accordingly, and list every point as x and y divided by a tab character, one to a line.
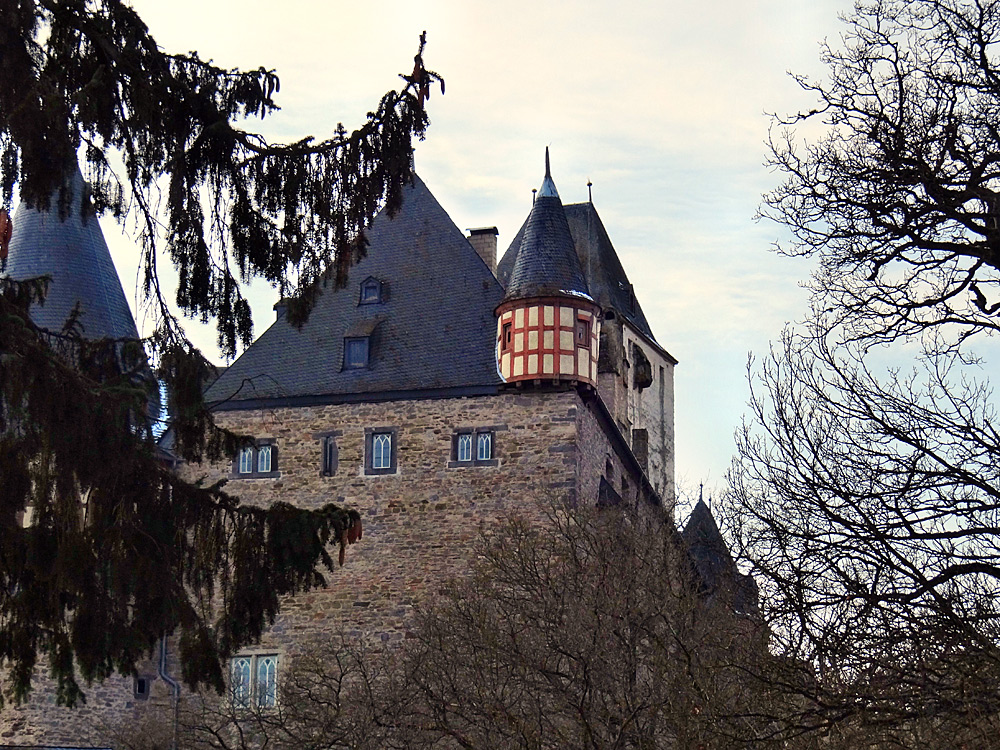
548	189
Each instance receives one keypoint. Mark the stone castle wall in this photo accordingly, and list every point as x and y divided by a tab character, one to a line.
420	522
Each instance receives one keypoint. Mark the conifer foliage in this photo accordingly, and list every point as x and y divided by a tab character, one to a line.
104	549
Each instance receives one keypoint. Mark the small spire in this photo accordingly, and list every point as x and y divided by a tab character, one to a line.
548	189
534	192
590	193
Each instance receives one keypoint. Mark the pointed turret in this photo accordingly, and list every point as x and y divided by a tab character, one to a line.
547	325
64	241
547	263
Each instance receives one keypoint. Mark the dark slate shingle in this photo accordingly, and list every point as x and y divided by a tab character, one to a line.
436	329
546	262
72	251
606	278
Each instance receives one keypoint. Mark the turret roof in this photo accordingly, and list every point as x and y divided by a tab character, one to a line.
546	262
65	242
606	279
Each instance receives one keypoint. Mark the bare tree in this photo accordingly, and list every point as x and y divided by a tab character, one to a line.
594	631
865	491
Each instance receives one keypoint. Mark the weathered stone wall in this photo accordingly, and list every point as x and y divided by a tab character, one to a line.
420	521
650	408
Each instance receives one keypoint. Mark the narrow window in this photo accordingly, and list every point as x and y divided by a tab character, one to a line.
583	333
329	456
484	446
240	681
381	450
356	353
464	451
246	460
506	336
266	686
264	459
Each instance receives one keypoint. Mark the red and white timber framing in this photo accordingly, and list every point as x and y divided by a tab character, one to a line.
550	338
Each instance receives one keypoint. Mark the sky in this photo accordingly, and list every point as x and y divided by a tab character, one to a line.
661	105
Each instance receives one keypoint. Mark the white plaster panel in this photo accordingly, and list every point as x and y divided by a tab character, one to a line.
548	364
549	316
566	316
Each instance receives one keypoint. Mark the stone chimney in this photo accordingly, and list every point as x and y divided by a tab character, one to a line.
485	243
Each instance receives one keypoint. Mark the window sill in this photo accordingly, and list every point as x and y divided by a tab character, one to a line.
257	475
470	464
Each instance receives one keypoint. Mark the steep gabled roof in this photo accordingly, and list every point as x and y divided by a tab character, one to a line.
606	279
546	262
434	328
713	562
65	242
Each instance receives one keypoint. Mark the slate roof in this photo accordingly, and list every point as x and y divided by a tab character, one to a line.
605	277
71	250
434	330
713	563
546	262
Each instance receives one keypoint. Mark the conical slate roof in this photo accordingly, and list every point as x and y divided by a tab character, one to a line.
65	242
546	262
607	281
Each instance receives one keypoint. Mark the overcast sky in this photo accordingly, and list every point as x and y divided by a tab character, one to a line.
660	104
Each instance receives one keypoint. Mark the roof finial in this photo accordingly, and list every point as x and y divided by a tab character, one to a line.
590	193
548	189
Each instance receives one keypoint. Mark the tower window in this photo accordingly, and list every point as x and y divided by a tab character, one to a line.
583	333
507	336
356	353
473	447
380	450
371	292
330	456
259	461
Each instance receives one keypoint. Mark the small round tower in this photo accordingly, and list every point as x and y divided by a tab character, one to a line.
548	326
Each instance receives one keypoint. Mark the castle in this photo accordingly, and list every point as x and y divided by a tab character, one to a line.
439	391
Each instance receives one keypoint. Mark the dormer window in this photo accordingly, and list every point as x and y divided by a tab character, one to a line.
356	353
371	292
